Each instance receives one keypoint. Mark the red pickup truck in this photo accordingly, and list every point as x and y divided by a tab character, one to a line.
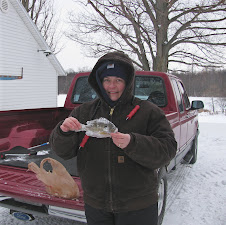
24	138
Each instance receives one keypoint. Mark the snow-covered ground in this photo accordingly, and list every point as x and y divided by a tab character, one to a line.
196	193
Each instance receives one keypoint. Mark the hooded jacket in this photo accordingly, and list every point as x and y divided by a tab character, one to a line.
114	179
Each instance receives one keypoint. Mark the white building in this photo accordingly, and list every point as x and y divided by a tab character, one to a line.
28	73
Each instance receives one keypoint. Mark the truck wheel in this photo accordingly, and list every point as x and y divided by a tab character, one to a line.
194	150
162	193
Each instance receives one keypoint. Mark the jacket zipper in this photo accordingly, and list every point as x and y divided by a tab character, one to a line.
111	111
109	168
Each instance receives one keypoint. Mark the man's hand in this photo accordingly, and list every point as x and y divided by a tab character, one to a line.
120	139
70	124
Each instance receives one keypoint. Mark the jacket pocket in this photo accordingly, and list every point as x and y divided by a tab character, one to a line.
134	180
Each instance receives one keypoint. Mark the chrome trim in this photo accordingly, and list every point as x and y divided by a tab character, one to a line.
2	198
72	214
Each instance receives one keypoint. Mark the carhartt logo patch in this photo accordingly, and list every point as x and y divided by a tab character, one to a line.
111	66
121	159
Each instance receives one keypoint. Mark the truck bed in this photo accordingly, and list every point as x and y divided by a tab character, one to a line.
22	161
19	183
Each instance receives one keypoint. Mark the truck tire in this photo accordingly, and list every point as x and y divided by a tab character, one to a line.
194	150
162	194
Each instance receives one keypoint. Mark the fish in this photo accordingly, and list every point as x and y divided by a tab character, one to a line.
59	182
99	128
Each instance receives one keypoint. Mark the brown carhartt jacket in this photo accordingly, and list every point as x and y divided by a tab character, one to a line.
117	179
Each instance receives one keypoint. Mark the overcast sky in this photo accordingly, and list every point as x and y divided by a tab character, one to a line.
71	57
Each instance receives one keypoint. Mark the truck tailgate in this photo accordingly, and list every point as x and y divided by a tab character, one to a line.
22	185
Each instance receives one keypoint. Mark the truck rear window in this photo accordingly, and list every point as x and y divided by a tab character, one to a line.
82	91
149	88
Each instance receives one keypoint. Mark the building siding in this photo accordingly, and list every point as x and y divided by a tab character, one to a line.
18	49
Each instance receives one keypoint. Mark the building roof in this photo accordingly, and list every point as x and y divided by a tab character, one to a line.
37	35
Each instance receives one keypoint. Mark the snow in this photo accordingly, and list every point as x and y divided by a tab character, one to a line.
196	193
200	197
61	99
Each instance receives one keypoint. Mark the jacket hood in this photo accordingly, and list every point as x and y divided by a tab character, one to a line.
118	57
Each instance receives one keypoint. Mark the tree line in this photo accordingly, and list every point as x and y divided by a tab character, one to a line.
200	84
205	84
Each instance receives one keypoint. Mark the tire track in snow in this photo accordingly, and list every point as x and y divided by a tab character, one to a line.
213	173
175	183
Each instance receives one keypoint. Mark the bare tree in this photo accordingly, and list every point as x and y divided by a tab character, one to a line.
43	15
222	104
155	33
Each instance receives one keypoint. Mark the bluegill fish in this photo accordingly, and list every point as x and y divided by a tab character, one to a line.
99	128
